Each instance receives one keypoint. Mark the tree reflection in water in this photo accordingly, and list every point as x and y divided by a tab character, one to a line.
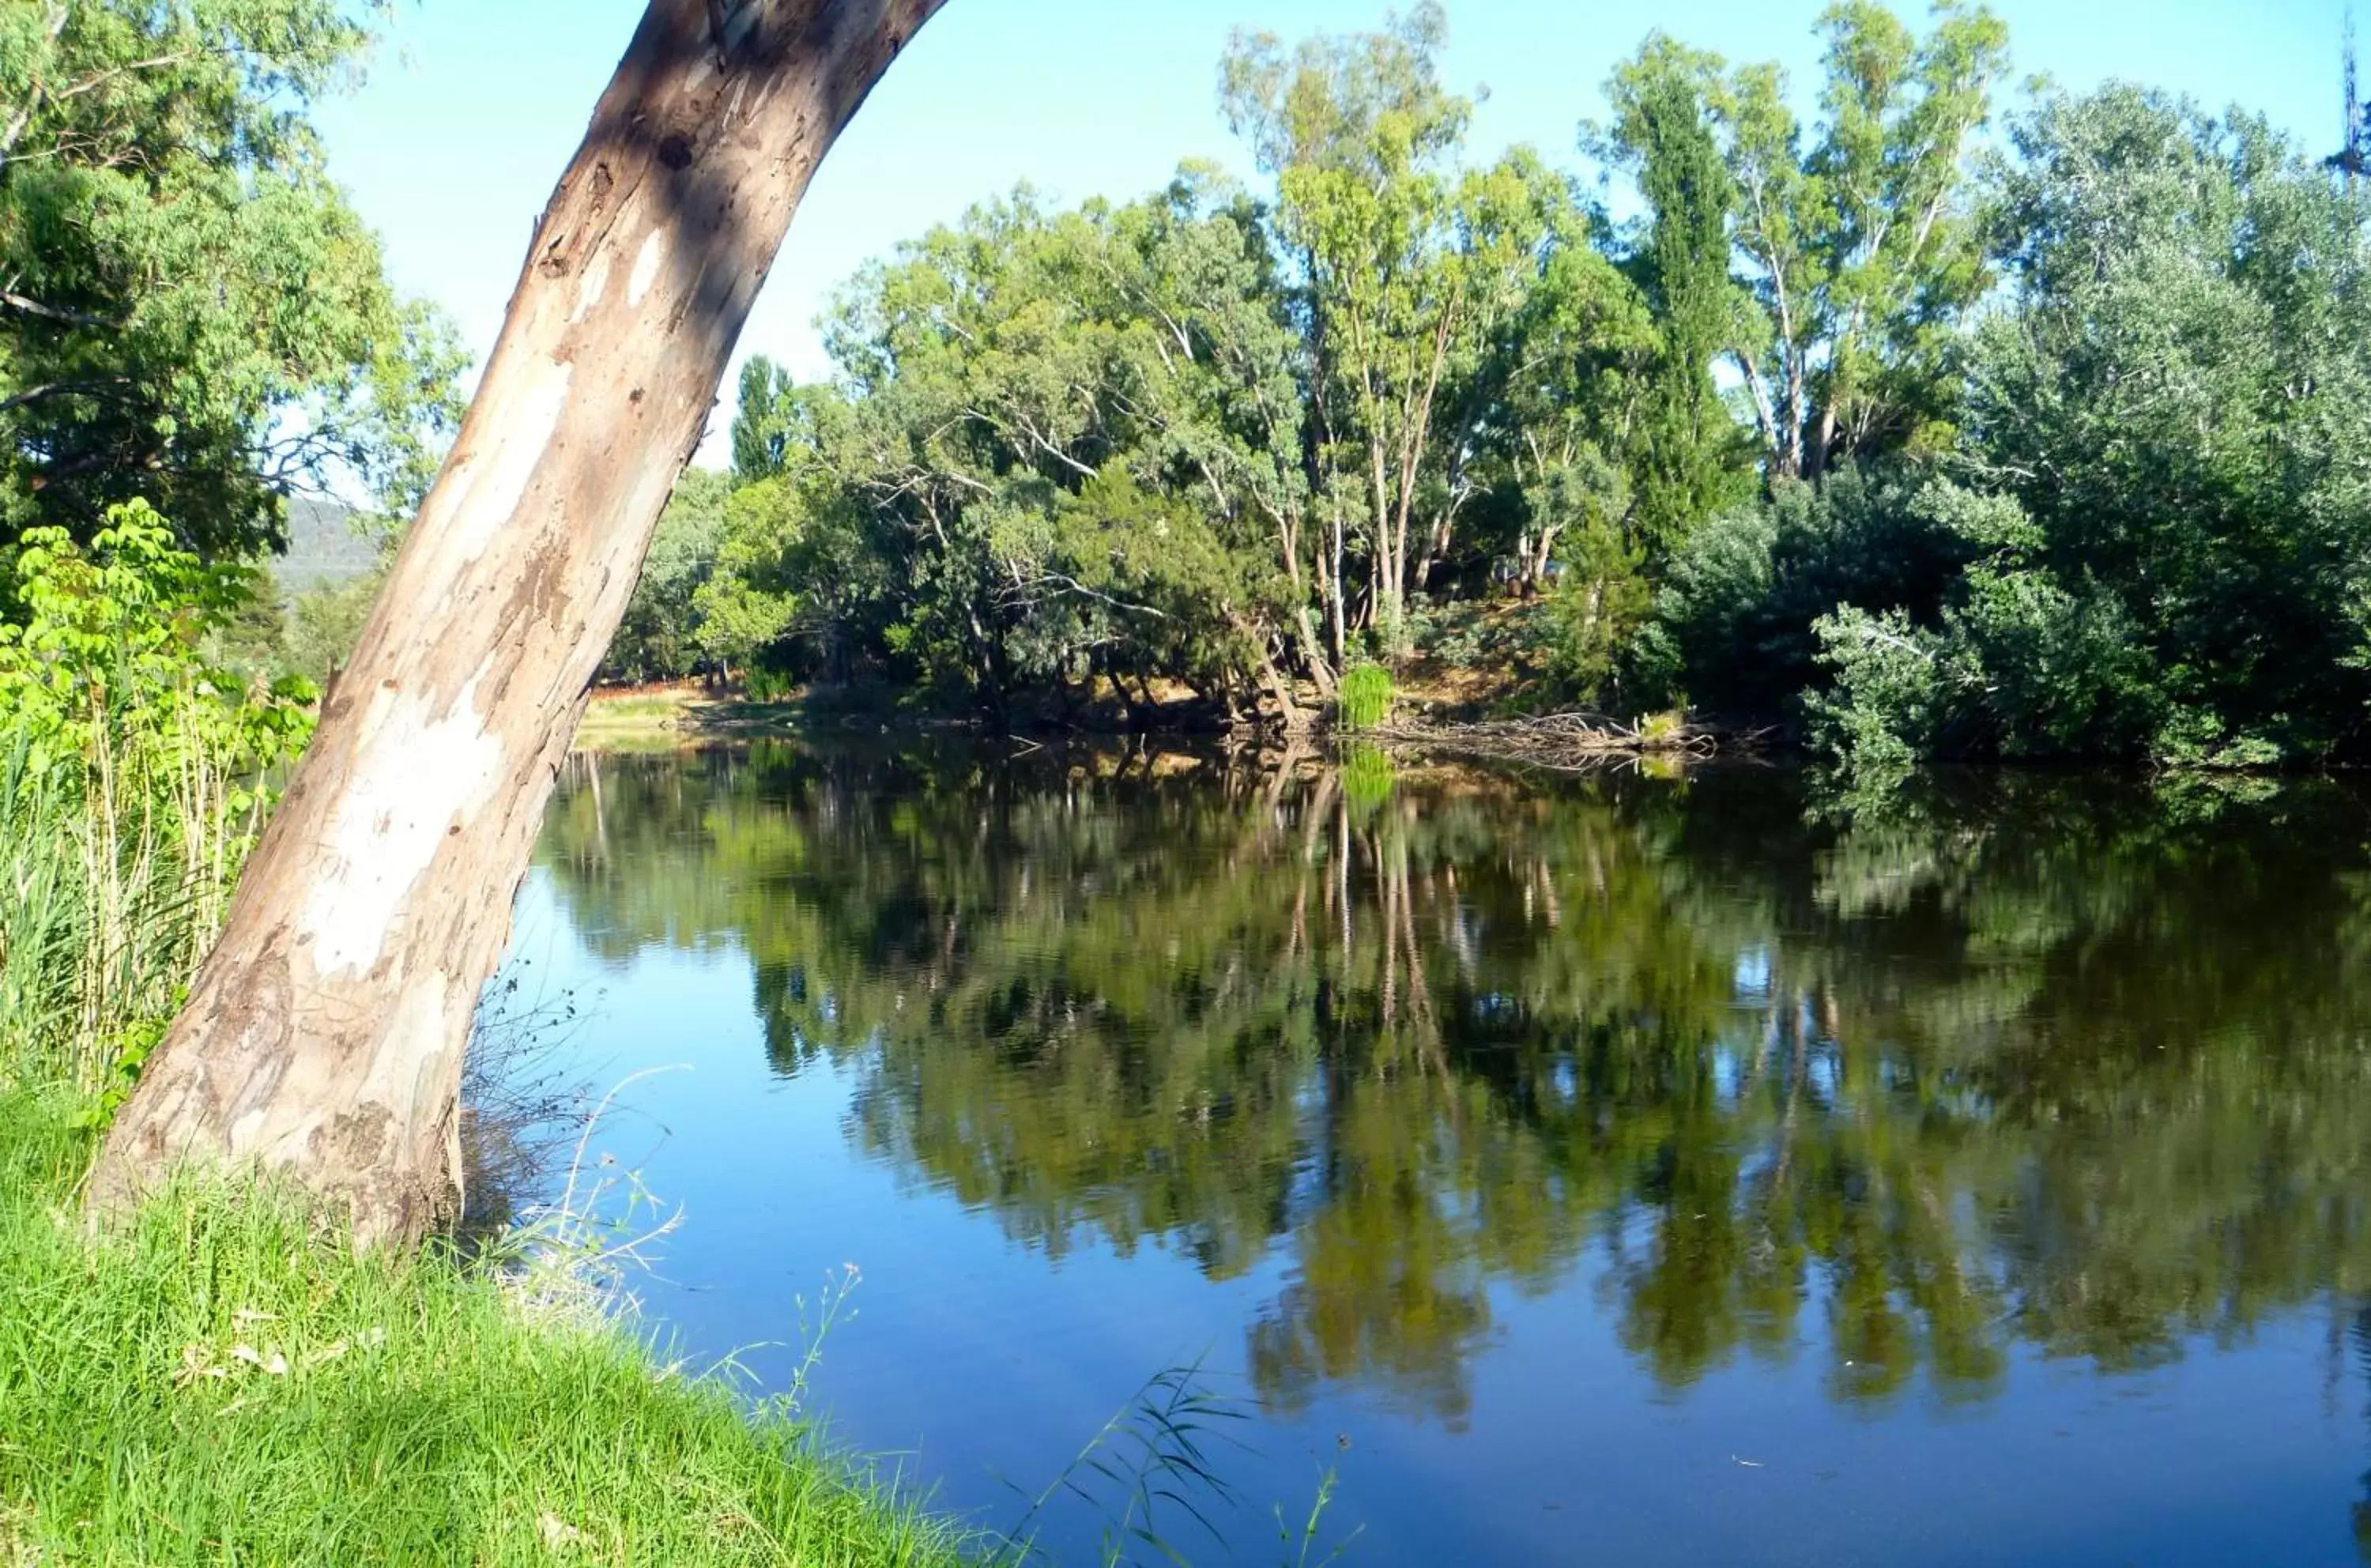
2010	1058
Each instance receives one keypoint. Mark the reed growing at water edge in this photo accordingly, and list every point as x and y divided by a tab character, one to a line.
1365	699
221	1378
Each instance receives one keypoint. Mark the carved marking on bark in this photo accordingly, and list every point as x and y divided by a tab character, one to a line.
386	827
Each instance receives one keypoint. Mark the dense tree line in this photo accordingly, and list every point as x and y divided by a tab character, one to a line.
1934	424
1942	430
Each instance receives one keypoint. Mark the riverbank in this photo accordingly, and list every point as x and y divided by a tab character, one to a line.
1427	720
663	717
221	1380
669	715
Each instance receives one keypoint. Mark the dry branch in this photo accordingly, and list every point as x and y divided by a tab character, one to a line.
1573	739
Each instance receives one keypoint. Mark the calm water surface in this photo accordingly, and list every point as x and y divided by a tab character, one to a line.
1625	1170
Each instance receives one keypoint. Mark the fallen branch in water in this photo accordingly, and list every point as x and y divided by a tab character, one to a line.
1575	739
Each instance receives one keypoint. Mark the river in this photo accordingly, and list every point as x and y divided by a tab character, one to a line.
1624	1169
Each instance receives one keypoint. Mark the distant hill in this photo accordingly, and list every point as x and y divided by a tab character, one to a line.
325	547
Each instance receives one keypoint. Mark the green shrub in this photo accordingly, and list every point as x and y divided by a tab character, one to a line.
1886	702
2020	667
1597	610
1668	728
1735	621
2061	674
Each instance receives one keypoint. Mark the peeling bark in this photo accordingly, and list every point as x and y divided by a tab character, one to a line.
325	1033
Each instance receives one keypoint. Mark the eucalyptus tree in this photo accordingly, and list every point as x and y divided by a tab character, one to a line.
1199	263
1860	247
1556	419
1571	384
325	1033
793	562
1071	440
1854	234
1361	137
191	311
1687	445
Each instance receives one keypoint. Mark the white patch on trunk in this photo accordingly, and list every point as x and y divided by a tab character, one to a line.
591	287
646	267
530	414
450	495
418	773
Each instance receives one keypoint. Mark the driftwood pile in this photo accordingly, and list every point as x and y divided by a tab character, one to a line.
1574	740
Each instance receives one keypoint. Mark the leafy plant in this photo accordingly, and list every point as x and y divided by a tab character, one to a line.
133	778
197	315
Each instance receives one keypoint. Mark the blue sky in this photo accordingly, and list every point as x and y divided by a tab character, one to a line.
473	107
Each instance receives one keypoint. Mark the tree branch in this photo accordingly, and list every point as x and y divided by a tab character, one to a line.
24	306
60	389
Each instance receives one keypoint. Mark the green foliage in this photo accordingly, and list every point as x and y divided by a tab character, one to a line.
660	637
2166	556
1061	456
766	425
751	599
1690	455
193	313
1734	616
1853	234
2181	396
132	779
2061	674
1890	703
1416	288
1602	598
1074	458
1364	699
323	626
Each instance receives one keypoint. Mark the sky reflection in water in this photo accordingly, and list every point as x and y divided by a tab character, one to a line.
1624	1170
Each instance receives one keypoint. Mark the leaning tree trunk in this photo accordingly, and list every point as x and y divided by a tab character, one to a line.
325	1033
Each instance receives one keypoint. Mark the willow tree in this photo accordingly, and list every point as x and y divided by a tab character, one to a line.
325	1033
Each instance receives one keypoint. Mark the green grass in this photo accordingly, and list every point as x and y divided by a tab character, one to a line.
219	1381
1364	698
